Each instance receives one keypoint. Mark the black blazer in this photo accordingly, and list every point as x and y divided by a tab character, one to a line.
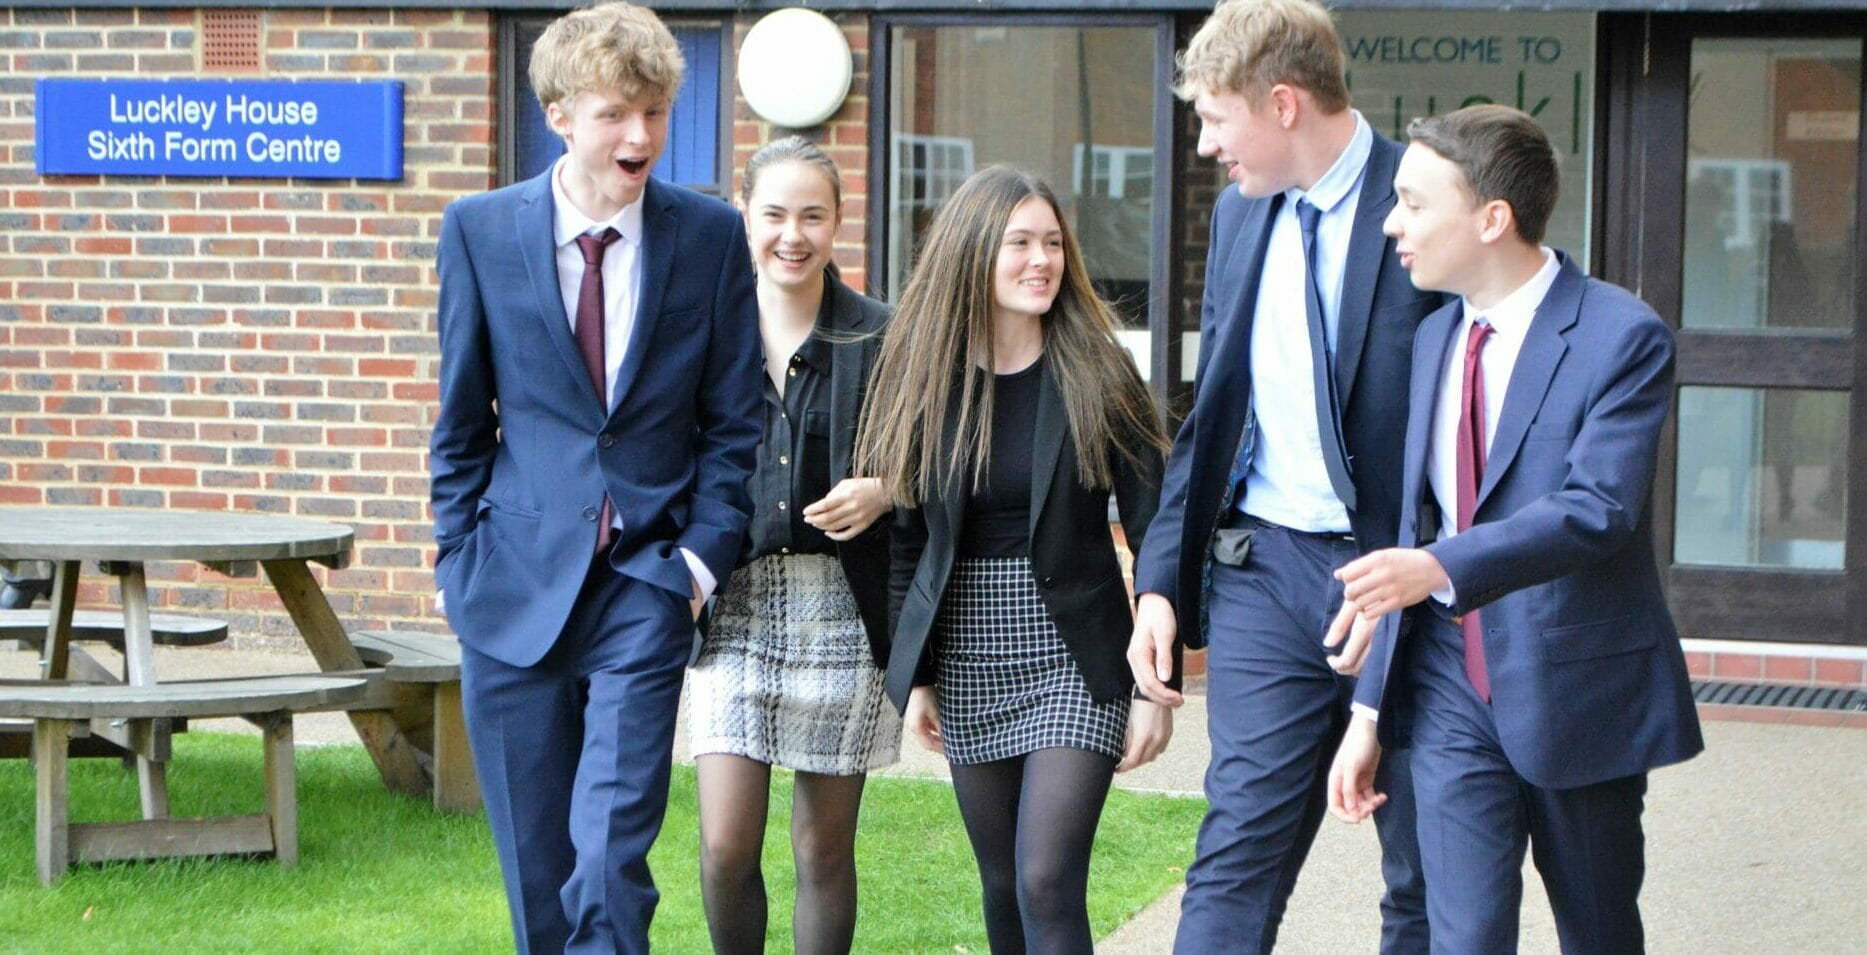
1072	557
854	331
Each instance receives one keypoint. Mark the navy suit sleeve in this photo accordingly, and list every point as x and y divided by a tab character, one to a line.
1157	562
727	416
1599	506
465	434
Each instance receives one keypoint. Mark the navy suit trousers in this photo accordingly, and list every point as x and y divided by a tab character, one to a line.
1275	714
585	735
1476	814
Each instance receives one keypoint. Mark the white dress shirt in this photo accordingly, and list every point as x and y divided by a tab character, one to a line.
1288	483
1510	320
622	271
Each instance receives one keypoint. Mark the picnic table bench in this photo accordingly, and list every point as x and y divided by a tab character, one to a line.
60	709
166	629
423	675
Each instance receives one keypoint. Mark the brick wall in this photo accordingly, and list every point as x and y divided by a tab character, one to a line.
256	345
844	138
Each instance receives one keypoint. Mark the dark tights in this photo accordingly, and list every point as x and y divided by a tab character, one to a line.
1032	821
734	793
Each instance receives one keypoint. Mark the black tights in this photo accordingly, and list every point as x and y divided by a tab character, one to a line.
1032	821
734	793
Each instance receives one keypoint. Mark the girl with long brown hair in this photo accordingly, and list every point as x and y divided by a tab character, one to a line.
1001	416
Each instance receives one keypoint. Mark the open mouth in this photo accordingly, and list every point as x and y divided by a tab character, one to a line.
633	167
795	258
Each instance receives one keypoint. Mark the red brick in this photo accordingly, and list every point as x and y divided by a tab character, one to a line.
1698	665
147	361
1798	670
1737	666
1847	673
180	477
1729	713
102	245
197	223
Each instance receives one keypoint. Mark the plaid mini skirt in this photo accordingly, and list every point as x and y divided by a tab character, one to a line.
785	675
1008	686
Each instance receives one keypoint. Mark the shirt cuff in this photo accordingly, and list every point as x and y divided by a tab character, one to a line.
1363	709
703	578
1446	595
440	600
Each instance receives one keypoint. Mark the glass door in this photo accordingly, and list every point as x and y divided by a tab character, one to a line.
1742	204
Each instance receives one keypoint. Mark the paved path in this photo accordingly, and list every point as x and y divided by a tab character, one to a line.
1760	845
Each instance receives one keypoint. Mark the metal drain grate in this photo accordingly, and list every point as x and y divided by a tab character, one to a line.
1767	694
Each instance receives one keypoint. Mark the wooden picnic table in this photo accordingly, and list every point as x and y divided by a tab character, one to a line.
121	540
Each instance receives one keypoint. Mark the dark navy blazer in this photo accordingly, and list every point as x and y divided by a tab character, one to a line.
1588	682
1379	312
517	489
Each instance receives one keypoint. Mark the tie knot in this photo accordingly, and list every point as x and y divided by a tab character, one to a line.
1307	216
592	246
1474	341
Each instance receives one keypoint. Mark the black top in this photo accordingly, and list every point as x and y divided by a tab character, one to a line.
793	467
998	515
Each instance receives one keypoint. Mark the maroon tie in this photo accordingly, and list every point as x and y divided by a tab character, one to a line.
589	330
1471	465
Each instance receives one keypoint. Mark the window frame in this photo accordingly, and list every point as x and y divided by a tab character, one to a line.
1643	114
509	97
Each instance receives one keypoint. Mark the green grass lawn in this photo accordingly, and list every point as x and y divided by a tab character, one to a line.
384	873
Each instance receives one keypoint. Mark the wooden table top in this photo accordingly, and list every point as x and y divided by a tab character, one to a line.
144	534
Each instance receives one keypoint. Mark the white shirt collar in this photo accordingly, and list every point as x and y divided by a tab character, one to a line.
568	222
1512	316
1345	175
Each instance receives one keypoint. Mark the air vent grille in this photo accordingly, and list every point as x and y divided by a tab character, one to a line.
230	41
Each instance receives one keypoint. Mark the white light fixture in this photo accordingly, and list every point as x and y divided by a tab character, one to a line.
794	68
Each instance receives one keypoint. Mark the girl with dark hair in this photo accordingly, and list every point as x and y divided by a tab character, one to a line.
788	673
1003	414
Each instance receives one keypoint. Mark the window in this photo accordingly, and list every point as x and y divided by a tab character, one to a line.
965	95
1417	63
694	151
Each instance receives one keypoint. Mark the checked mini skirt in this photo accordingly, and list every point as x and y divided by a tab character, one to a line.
1007	684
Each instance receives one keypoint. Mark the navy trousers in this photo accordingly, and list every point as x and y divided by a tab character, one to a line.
573	757
1275	713
1476	815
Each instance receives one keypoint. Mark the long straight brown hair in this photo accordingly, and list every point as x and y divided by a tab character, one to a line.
941	337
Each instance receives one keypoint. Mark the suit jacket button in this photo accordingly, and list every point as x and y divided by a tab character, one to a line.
1050	581
589	513
606	440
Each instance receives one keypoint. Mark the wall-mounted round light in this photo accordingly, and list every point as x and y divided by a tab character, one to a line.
794	68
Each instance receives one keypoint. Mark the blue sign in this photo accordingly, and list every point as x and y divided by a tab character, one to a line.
252	129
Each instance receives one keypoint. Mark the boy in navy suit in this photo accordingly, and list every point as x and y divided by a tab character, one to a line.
599	417
1542	670
1287	467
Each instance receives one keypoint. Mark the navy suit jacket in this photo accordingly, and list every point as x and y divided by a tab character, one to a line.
523	452
1588	682
1379	312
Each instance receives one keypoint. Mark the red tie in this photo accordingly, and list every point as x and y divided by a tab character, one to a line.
1471	465
589	330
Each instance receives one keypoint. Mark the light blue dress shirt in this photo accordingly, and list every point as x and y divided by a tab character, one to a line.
1287	483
